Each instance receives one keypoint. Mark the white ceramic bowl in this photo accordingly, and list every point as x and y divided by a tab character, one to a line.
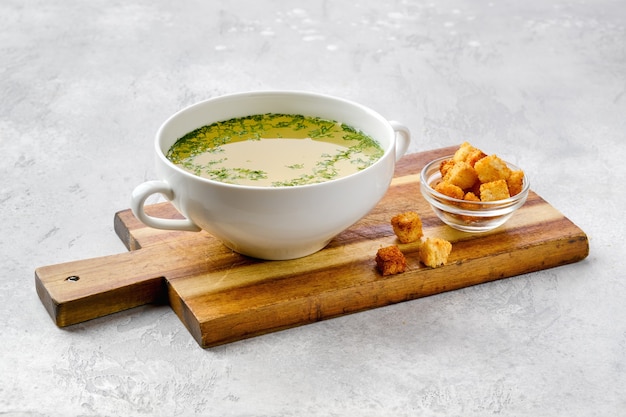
271	222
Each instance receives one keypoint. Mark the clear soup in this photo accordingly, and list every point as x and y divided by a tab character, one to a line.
275	150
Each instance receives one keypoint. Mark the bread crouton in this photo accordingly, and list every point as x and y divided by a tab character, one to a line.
494	190
461	174
407	226
470	171
470	196
445	166
450	190
515	182
492	168
434	252
390	260
468	153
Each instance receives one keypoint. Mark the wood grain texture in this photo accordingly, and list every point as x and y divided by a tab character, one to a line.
222	296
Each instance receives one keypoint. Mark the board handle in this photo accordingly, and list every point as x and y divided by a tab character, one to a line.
78	291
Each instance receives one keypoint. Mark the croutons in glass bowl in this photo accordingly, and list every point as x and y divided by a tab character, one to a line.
472	191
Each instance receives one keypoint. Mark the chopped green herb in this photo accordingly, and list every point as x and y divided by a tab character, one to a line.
205	151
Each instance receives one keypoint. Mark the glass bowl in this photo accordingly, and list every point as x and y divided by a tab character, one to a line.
468	216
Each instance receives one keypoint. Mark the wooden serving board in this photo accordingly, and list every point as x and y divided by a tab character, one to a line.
222	296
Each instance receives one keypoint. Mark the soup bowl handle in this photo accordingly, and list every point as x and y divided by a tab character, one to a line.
138	199
403	138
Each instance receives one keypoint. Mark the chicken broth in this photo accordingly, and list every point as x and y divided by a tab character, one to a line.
275	150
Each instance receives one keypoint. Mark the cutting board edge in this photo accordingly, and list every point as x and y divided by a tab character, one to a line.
579	251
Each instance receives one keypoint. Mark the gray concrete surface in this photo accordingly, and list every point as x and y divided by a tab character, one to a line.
84	87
